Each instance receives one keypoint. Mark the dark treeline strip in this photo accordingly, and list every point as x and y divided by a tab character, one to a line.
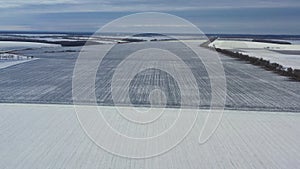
127	40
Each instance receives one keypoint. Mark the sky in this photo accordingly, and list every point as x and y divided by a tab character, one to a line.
211	16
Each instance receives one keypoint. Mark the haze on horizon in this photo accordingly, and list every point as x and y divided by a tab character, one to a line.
215	16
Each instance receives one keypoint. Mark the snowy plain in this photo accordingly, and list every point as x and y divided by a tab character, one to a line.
10	45
50	136
5	64
267	51
49	79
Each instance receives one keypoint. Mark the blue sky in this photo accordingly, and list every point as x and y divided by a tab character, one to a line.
211	16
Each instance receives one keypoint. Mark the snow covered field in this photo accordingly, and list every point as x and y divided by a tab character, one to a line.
49	136
10	45
240	44
49	80
273	52
259	129
5	64
7	60
287	60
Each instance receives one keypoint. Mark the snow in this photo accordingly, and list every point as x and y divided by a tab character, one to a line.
238	44
7	60
49	79
12	63
55	39
11	45
267	51
50	136
287	60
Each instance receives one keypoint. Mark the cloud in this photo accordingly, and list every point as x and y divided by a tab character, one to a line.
230	16
141	5
21	3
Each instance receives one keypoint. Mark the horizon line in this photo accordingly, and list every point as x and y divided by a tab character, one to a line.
91	32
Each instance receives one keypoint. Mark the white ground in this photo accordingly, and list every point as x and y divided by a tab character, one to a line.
50	136
10	45
239	44
263	50
286	60
5	64
54	39
7	60
6	46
